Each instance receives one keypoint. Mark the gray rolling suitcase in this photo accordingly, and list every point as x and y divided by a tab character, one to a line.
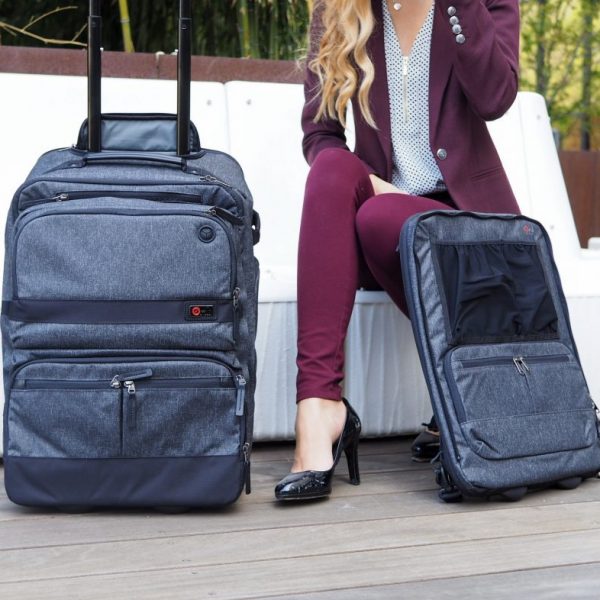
493	334
129	314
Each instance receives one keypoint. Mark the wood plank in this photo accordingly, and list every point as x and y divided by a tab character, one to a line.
269	451
254	579
56	528
572	582
203	550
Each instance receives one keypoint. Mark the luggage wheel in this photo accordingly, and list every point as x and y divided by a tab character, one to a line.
514	494
172	510
75	509
569	484
450	496
449	492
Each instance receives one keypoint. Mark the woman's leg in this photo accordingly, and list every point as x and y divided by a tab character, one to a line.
329	267
378	223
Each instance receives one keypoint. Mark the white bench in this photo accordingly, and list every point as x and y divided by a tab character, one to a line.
259	124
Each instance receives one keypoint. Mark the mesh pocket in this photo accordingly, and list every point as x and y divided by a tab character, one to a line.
495	292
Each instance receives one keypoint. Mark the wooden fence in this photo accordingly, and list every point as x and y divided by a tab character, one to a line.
582	176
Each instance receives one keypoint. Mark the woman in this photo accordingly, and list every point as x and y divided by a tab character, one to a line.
423	76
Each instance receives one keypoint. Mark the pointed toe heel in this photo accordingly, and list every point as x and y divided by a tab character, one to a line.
309	485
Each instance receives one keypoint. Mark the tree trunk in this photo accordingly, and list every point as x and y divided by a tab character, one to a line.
586	75
541	74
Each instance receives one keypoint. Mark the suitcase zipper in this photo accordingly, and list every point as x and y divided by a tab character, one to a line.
127	382
246	455
168	197
521	363
236	195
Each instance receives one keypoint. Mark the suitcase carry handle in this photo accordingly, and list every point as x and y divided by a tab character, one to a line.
184	70
103	157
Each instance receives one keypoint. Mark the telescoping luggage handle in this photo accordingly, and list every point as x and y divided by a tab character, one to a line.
184	53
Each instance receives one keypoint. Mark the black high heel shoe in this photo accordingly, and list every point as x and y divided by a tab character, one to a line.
308	485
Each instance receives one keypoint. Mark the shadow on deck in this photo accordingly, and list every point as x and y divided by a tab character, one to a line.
388	538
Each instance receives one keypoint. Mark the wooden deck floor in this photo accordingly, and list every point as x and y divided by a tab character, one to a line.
388	538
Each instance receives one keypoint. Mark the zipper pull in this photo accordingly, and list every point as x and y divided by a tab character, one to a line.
236	298
517	361
522	366
60	197
131	404
217	211
128	382
595	408
246	453
240	399
118	380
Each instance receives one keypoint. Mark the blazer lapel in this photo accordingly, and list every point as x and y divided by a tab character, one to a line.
440	65
379	94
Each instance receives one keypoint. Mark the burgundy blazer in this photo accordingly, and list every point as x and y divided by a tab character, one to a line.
469	83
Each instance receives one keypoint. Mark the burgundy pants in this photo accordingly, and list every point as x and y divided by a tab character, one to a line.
348	240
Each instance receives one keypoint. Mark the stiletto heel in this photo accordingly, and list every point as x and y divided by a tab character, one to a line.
308	485
352	458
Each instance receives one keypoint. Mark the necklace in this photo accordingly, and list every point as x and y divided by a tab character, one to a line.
397	6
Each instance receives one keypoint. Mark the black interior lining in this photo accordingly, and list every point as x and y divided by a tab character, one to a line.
495	292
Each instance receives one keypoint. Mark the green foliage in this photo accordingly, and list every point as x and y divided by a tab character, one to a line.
555	37
558	38
250	28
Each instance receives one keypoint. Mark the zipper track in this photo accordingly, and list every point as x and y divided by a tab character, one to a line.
201	180
508	360
82	194
121	359
163	197
405	60
151	383
133	212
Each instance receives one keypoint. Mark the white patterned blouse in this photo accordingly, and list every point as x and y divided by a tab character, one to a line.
415	169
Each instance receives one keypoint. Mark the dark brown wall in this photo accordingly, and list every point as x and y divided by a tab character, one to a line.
582	176
147	66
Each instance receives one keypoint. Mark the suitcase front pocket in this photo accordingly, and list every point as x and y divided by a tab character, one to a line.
98	277
520	399
125	408
106	254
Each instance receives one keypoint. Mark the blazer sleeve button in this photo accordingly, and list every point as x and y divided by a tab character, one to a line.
460	39
456	29
453	20
442	153
451	11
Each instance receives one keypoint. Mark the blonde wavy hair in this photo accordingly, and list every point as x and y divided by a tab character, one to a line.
341	61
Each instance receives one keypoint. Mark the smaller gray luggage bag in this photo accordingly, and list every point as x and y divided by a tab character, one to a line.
492	330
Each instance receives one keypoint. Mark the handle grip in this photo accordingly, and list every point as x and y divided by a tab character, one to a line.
183	77
162	159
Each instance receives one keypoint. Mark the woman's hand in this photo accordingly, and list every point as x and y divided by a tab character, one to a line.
383	187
